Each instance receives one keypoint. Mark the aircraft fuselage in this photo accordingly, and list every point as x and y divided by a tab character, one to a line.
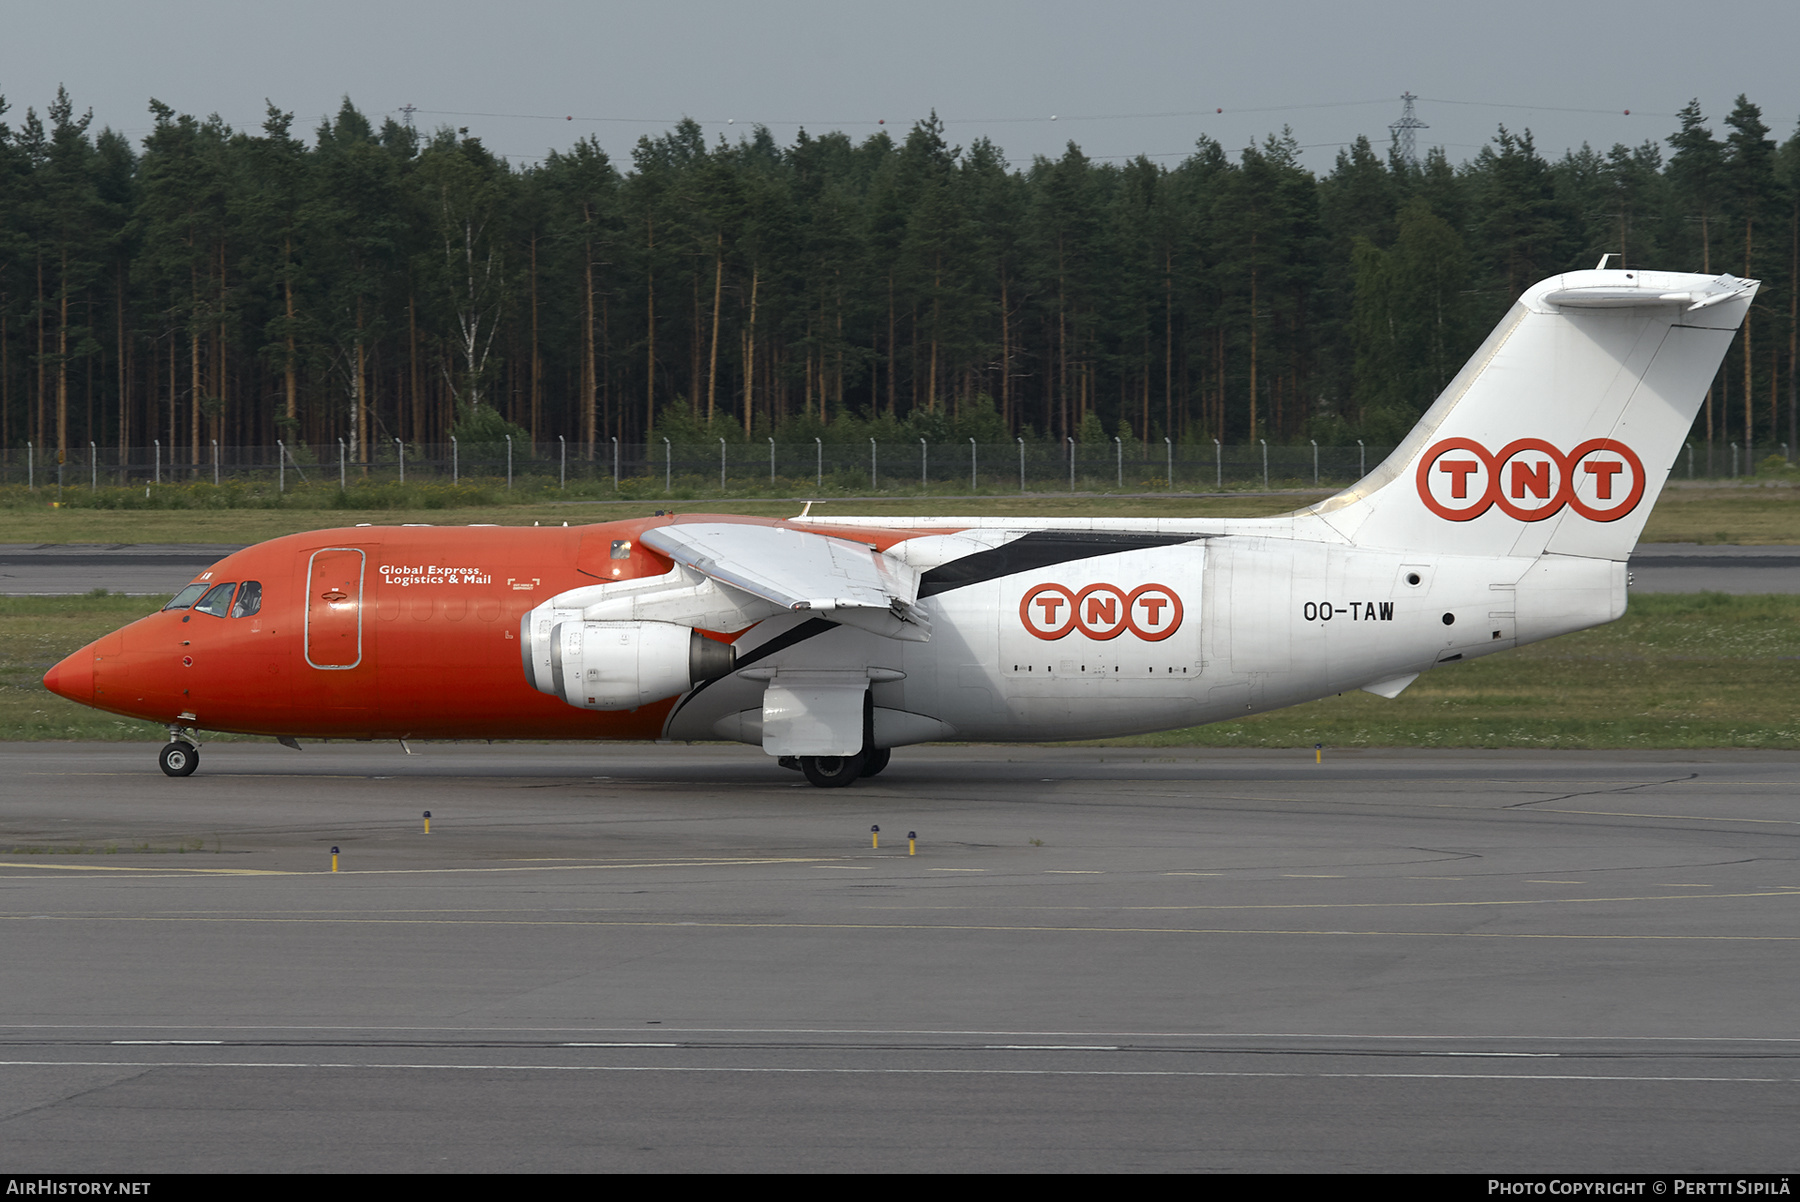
1128	634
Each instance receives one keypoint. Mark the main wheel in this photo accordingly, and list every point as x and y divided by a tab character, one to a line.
875	760
832	771
178	758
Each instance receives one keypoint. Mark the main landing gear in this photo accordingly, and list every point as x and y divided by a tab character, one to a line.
833	771
179	756
836	771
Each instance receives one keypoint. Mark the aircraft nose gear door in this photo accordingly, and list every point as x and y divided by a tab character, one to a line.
824	719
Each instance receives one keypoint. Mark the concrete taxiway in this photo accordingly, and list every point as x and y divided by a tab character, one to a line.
640	957
1691	568
135	569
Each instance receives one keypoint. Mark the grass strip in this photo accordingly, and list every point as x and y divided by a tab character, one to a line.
1751	512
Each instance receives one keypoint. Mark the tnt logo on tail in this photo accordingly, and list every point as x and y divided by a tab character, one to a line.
1530	480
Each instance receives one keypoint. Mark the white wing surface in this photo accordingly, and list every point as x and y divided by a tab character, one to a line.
833	578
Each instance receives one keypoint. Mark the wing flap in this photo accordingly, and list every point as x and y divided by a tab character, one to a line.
832	578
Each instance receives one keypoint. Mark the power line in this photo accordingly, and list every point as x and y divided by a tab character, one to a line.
1047	118
1404	130
950	120
1544	108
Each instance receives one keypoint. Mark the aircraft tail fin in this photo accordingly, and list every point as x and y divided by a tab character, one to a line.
1560	432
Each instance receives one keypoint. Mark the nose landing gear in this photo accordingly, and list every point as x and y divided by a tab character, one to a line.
179	756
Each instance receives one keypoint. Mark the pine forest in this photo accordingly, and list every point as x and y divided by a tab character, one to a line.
386	285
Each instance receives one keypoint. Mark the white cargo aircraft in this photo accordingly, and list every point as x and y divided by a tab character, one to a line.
1505	517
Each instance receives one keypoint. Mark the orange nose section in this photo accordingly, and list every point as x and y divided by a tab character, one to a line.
74	677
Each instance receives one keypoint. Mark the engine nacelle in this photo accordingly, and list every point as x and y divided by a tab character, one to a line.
622	665
534	645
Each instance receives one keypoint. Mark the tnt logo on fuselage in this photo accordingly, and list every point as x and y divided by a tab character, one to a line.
1530	480
1152	612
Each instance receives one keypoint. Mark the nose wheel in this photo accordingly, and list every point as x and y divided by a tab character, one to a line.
178	758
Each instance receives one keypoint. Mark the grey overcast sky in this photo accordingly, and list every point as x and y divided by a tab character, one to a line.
1120	79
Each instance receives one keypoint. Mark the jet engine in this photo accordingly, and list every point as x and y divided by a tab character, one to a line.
621	665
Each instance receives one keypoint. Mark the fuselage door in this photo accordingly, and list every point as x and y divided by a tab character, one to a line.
334	585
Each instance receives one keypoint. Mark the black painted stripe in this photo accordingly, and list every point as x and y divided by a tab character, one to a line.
811	628
1039	549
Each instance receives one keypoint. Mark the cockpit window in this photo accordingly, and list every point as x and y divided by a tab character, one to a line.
217	600
249	600
187	596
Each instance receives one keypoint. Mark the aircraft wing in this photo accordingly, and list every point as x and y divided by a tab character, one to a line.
831	578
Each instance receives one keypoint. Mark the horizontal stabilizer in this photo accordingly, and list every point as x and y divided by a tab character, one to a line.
1629	295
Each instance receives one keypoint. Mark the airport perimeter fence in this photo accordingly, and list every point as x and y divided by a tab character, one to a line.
724	468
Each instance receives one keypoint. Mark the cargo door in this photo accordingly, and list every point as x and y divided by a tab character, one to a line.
334	584
335	686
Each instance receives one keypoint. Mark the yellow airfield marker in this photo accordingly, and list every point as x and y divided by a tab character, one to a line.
428	822
1318	753
334	856
875	837
912	843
